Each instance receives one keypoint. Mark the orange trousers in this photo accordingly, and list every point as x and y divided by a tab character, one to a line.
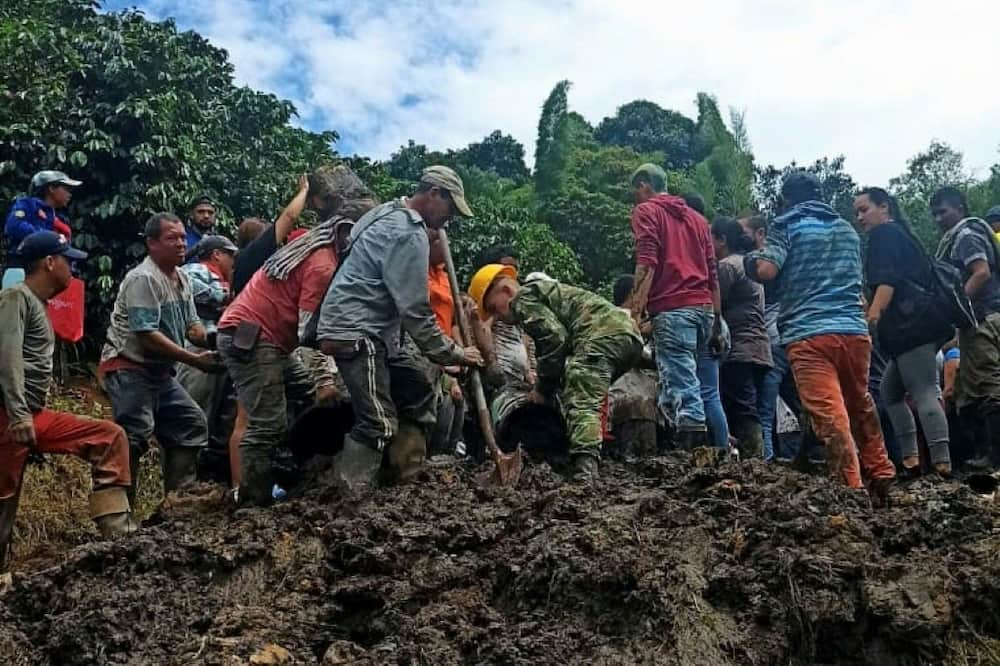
101	443
831	373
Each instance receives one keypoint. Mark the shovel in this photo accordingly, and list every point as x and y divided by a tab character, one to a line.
507	466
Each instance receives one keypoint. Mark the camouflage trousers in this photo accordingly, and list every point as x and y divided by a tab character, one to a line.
588	374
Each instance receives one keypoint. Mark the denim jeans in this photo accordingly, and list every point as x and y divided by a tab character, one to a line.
679	337
145	406
708	378
767	399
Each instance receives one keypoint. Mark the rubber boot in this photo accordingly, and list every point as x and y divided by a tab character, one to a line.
993	450
585	467
8	511
356	466
751	437
407	452
180	467
256	480
110	511
984	444
688	440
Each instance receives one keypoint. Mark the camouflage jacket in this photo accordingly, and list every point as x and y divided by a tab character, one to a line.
562	319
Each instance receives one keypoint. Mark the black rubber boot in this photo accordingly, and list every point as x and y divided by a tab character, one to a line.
256	480
688	440
180	467
983	445
356	466
111	512
407	452
585	467
751	437
8	511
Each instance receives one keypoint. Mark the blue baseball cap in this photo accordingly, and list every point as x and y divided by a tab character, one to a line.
43	244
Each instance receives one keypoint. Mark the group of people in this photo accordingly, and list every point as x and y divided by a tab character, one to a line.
212	344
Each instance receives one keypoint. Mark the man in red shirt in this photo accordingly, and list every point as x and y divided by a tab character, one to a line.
261	328
677	287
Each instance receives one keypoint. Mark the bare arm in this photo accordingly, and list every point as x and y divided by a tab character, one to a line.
881	300
286	221
979	275
640	290
158	344
766	271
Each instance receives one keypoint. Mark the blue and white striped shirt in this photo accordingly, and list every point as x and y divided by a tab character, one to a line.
818	256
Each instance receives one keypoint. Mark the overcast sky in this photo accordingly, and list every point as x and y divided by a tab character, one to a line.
875	80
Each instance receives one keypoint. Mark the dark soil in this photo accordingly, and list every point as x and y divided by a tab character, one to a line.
660	563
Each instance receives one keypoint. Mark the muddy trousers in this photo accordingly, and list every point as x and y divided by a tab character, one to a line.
383	389
145	406
101	443
589	372
260	377
831	372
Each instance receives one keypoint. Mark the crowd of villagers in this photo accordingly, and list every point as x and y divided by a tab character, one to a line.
786	339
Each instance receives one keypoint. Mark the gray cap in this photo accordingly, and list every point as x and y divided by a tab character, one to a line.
210	244
446	178
993	214
43	178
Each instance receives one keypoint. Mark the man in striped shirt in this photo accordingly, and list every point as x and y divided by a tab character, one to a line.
814	258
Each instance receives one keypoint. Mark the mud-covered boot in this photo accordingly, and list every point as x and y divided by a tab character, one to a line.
984	444
407	452
751	438
110	511
356	466
585	467
8	511
180	467
256	480
688	440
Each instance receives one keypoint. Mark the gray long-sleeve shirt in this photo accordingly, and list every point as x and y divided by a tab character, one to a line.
383	282
25	353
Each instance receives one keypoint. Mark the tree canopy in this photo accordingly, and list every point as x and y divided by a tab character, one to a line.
149	116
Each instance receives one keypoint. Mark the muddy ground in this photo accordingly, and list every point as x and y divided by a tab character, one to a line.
741	563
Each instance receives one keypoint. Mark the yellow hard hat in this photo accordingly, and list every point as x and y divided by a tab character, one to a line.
482	280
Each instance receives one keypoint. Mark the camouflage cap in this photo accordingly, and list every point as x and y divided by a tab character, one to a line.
446	178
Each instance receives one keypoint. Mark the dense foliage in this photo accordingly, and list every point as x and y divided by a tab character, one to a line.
148	116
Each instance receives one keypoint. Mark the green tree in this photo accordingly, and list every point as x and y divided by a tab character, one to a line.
926	172
552	147
838	186
147	117
498	153
645	127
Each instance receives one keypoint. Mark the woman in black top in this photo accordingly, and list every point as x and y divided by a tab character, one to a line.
899	273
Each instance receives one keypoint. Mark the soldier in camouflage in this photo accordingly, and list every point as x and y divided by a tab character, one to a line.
582	343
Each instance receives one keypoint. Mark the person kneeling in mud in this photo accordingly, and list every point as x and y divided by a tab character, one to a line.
582	342
26	425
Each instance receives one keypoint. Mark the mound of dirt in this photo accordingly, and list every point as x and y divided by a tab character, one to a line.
740	563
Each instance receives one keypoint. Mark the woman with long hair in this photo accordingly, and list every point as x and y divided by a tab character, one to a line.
900	274
741	377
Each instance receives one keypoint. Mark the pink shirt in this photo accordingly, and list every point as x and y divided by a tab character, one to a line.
275	304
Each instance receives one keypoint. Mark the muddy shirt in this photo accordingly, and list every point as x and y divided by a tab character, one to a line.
25	352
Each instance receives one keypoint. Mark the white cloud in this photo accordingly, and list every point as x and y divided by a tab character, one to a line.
875	80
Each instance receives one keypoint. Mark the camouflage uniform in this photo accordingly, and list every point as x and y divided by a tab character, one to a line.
582	343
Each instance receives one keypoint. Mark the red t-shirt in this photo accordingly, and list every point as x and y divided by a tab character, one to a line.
441	300
275	304
676	242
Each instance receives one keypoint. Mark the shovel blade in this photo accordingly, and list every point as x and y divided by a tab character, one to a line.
506	470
